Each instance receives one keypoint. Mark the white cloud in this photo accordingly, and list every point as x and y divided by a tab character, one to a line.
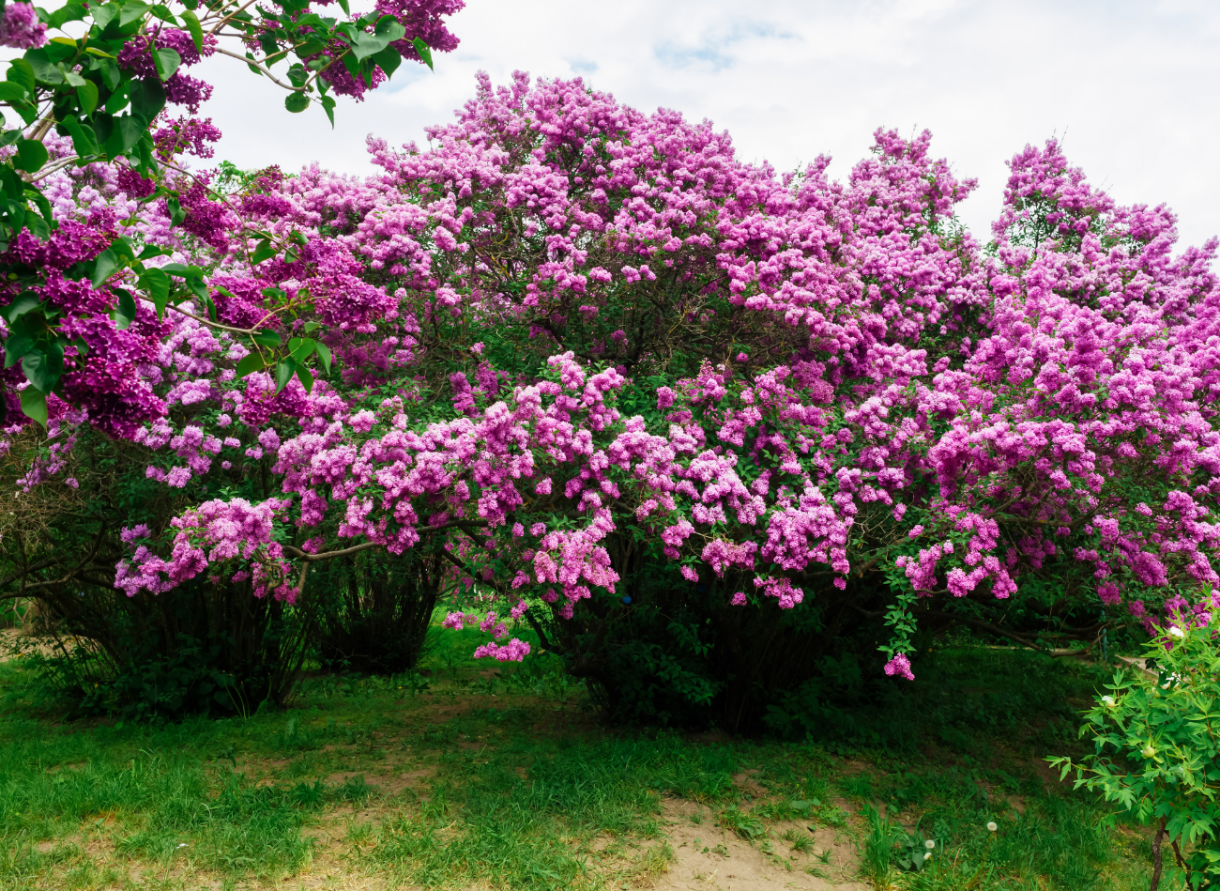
1129	84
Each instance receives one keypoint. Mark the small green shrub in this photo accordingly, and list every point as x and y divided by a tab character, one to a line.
1157	753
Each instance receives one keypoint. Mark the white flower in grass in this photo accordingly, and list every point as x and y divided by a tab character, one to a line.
927	856
992	827
1108	701
1175	631
929	844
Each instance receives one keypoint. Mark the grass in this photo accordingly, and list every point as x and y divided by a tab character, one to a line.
468	776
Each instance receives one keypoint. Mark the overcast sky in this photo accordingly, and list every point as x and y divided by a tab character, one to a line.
1131	85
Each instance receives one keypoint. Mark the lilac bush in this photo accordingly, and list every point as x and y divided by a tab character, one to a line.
605	367
108	331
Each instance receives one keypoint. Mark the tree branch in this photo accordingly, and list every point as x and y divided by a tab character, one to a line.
297	553
254	64
41	564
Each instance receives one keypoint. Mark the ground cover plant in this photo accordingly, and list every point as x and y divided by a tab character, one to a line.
458	776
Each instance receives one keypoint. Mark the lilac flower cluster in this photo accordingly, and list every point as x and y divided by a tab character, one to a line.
20	28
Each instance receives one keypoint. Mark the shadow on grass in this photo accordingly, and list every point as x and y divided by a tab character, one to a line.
459	775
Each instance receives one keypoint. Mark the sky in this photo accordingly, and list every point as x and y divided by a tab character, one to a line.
1130	87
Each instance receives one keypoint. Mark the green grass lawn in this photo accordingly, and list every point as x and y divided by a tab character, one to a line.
476	775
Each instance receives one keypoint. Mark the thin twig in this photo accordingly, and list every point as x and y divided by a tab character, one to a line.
266	71
296	552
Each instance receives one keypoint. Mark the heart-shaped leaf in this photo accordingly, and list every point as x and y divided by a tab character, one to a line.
34	405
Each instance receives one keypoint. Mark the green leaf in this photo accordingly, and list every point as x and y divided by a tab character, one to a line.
111	76
166	62
125	313
323	352
269	339
182	271
21	73
123	138
250	364
31	155
425	51
101	54
86	94
119	98
45	71
25	302
72	12
34	405
156	283
388	60
283	374
176	214
364	44
296	102
131	14
267	42
147	100
195	29
105	264
16	347
13	92
84	141
27	111
38	226
104	14
305	377
44	369
123	249
304	347
328	105
264	250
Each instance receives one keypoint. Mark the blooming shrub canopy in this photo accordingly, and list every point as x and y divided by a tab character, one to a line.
565	320
106	86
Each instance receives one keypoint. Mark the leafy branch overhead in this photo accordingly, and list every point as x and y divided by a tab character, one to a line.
105	82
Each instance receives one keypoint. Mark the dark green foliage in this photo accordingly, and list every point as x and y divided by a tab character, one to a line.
199	648
955	701
206	646
374	609
664	650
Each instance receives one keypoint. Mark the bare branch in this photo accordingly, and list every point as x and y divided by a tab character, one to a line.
297	553
266	71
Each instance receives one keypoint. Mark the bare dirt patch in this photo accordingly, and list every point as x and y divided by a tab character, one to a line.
747	784
710	858
387	785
